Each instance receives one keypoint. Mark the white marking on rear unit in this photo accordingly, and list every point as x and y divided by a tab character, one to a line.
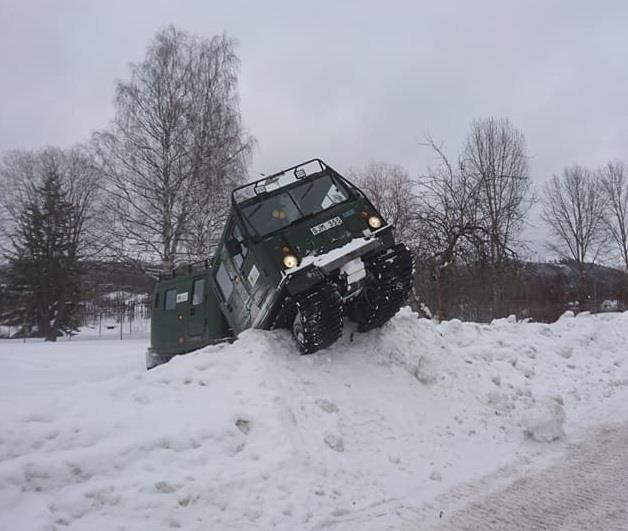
182	297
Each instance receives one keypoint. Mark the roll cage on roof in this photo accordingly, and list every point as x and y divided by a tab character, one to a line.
248	193
281	179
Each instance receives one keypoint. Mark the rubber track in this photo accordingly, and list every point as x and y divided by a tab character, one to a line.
391	276
321	316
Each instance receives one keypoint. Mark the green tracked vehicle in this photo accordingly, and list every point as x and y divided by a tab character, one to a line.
303	249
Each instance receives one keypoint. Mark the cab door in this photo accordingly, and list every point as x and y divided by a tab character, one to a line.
248	286
168	323
232	294
252	275
197	311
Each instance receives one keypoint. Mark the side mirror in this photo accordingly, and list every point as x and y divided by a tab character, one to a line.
234	247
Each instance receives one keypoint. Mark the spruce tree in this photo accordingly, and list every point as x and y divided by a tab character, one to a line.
44	262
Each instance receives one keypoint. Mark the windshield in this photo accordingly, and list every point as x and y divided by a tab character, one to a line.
304	199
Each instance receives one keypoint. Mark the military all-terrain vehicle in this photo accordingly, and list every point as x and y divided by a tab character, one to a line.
302	249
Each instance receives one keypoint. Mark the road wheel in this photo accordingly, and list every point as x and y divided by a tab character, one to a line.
298	333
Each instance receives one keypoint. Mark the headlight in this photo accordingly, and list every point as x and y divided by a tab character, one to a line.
290	261
375	222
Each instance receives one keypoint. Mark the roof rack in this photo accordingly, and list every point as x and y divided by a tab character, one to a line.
189	268
277	180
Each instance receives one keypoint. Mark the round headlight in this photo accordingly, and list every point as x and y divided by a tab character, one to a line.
375	222
290	261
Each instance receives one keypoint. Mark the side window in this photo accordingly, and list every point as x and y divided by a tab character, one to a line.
198	291
238	259
224	281
170	299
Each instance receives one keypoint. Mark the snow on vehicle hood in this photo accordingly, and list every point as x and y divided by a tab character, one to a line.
323	259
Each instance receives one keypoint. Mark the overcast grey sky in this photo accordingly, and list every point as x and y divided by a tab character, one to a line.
347	81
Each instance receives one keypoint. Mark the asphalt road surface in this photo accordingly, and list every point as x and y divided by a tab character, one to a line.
588	490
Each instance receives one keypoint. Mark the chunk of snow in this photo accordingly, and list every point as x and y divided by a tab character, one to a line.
425	371
327	406
335	442
544	422
610	306
566	351
499	401
425	310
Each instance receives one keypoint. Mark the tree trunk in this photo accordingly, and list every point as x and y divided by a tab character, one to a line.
47	331
582	295
496	281
441	295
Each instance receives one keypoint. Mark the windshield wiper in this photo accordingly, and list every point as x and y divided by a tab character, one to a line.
307	191
251	214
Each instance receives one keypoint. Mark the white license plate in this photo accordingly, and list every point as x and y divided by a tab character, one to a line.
330	223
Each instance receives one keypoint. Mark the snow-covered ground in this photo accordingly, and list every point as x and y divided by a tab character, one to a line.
110	329
384	430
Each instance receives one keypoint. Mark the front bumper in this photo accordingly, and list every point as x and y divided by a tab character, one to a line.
314	270
320	267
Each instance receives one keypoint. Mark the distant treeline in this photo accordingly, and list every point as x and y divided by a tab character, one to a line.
537	291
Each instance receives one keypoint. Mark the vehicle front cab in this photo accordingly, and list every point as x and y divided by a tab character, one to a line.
288	232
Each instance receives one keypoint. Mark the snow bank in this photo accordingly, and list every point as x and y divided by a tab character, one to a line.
253	436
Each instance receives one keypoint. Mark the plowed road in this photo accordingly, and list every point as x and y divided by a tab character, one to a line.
588	490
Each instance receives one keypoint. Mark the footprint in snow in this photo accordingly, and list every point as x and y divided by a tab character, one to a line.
141	399
327	406
243	425
165	488
335	442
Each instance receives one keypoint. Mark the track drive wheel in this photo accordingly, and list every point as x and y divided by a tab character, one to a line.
389	283
318	321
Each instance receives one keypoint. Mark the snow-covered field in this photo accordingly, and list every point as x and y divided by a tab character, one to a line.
382	431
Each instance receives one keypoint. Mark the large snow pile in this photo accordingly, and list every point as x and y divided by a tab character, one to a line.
253	436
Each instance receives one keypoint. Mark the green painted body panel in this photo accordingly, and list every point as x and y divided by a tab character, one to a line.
248	298
186	326
243	290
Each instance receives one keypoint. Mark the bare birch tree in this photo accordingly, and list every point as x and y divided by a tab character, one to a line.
495	158
615	182
175	148
573	208
447	221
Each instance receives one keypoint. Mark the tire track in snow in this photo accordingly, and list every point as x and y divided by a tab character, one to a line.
587	490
